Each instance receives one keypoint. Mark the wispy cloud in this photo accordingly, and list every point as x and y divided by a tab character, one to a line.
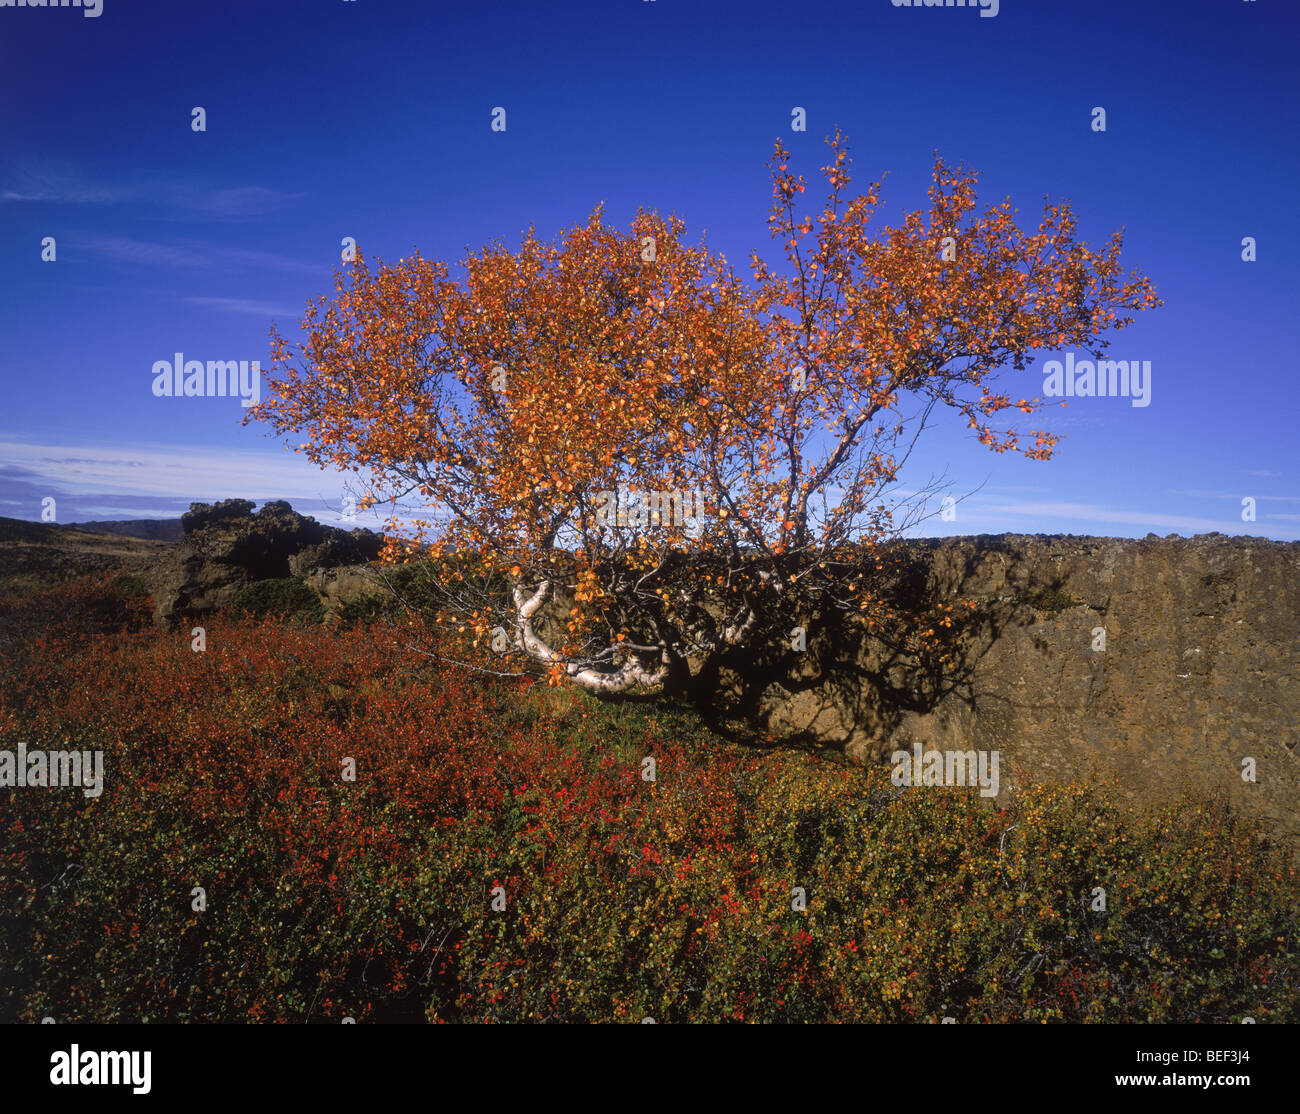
52	181
192	253
120	480
235	203
246	305
166	470
126	250
269	260
1092	512
1237	496
58	182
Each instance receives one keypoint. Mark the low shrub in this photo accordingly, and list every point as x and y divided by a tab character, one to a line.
365	610
1049	600
737	885
286	597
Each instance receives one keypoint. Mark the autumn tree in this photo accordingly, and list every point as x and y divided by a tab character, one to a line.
617	426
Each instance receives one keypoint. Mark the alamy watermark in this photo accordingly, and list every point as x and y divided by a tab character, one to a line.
89	1068
57	769
948	768
651	508
988	8
89	8
1104	379
182	378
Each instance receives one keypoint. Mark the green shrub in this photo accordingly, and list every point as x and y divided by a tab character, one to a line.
130	586
1049	600
287	597
367	610
422	585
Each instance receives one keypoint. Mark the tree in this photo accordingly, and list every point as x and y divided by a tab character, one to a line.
617	422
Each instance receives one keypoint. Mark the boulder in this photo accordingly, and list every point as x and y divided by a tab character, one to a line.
226	546
206	514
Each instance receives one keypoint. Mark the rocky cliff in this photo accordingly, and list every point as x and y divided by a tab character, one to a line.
226	547
1154	664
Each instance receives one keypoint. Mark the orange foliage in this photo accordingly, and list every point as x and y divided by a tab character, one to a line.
510	401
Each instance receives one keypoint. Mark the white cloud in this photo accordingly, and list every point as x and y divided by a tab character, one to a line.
167	470
247	305
1236	496
126	250
55	181
194	254
182	474
1092	512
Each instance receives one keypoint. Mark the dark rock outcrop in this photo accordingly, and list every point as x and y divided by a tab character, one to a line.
209	514
226	547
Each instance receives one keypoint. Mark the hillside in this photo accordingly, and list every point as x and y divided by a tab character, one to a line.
34	554
150	529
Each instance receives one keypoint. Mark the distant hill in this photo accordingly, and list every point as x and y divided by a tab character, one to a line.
35	553
151	529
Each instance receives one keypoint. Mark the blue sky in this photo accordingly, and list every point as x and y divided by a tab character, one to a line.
371	119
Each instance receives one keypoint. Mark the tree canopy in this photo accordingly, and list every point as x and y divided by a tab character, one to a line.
618	422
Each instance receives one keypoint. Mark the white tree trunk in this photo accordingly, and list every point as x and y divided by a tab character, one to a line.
586	678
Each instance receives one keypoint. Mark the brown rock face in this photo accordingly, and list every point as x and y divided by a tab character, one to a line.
1160	663
226	547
